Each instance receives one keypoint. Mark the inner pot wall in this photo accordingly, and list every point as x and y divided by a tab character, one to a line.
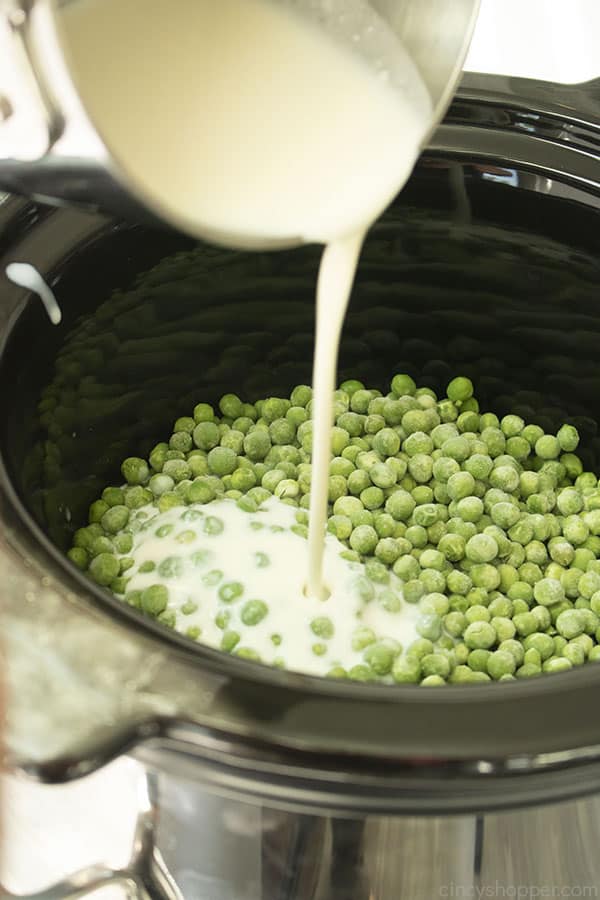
480	269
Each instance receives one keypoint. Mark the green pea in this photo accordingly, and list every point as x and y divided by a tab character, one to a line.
429	626
253	612
97	510
460	389
104	568
78	557
364	539
322	627
479	635
231	591
570	623
406	670
556	664
154	599
379	657
568	438
402	385
469	509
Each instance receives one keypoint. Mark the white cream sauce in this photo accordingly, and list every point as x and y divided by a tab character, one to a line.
260	552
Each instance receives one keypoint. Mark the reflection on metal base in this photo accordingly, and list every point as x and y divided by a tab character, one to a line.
145	877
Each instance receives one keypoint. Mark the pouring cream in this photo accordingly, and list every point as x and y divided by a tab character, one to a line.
298	121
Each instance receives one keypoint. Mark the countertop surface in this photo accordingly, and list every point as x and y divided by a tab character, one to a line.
51	831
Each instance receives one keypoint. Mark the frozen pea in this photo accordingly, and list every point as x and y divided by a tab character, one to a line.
528	670
568	438
363	637
500	606
402	385
229	640
456	448
543	616
500	663
364	539
248	653
78	557
432	580
417	442
460	389
135	470
481	548
230	591
505	515
525	623
387	549
203	412
469	509
569	501
379	657
97	510
435	665
455	623
556	664
561	551
171	567
115	519
589	584
407	568
444	468
432	559
113	496
570	623
459	582
548	447
485	576
434	604
154	599
372	498
452	546
468	420
253	612
505	629
532	658
322	627
477	613
213	525
340	526
479	635
462	674
358	481
515	648
479	465
460	485
530	573
104	568
575	530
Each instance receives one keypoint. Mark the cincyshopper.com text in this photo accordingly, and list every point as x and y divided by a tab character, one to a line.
499	891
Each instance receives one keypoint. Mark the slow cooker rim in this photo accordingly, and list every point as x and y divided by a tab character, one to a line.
258	675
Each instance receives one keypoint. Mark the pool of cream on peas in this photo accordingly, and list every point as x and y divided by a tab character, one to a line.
261	552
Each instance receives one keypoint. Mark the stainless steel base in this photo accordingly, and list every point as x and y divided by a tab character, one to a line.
191	844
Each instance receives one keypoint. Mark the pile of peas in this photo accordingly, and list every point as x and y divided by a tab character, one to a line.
492	525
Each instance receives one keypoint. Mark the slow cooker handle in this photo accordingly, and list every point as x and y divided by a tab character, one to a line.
145	876
85	882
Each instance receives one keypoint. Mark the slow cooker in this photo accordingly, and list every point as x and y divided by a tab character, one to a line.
261	783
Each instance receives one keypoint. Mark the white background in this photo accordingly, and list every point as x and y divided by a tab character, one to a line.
50	831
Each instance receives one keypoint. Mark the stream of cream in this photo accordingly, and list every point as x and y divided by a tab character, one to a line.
299	120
